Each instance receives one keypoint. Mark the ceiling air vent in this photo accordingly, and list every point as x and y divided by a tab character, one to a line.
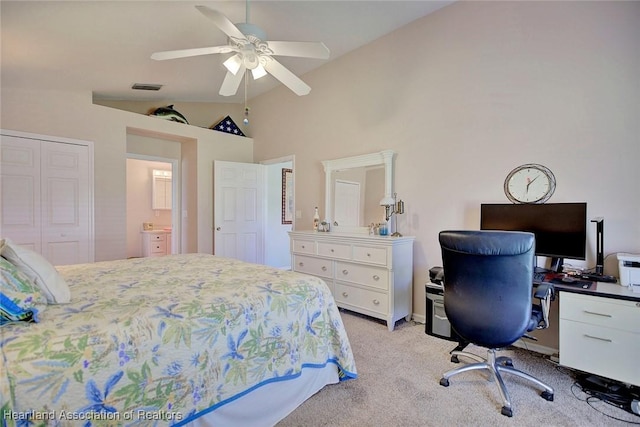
146	86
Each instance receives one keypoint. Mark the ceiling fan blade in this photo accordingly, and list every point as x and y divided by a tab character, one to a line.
231	82
300	49
222	22
287	78
185	53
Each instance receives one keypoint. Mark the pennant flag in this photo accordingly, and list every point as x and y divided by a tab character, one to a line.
227	125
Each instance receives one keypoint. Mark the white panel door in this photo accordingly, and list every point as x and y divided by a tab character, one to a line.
65	201
46	197
20	187
238	210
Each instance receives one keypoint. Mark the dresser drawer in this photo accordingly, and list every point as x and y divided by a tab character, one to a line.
363	275
603	351
334	250
304	246
370	254
315	266
358	298
606	312
157	248
157	238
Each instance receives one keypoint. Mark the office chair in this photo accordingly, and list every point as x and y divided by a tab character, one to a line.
488	283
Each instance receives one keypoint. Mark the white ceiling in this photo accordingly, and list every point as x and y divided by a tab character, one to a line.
105	46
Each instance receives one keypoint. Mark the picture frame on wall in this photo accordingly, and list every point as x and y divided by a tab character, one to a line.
287	196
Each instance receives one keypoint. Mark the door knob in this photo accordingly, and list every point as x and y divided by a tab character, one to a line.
218	228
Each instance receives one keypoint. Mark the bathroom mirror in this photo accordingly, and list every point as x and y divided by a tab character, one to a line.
354	189
161	197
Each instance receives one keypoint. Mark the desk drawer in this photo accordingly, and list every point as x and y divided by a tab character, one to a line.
359	298
334	250
599	350
607	312
304	246
370	254
363	274
316	266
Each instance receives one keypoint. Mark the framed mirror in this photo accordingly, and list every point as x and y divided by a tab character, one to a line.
355	188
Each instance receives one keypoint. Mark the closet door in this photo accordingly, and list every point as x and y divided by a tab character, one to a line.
46	198
20	187
65	203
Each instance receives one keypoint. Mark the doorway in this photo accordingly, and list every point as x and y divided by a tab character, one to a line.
143	210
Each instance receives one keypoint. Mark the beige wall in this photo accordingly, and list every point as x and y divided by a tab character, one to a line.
464	96
73	115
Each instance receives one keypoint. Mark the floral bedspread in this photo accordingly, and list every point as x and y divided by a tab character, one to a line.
157	341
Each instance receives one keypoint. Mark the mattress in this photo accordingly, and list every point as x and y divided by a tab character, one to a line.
164	341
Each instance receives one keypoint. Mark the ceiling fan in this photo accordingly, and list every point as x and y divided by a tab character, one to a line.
252	52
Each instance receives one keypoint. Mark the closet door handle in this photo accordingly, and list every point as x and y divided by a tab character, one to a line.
345	271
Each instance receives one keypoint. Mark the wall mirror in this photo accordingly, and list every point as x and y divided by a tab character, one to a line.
354	189
161	197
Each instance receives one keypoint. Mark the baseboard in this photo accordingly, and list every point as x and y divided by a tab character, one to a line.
533	346
419	318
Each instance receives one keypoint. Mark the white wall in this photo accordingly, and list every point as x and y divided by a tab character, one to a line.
465	95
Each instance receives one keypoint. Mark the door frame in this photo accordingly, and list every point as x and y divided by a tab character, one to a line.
176	191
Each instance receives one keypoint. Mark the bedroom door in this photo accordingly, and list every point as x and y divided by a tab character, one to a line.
238	210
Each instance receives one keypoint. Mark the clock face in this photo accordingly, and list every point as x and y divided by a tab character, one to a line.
530	183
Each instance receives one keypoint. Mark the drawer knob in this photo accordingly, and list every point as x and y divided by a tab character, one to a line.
303	246
368	254
376	302
332	250
345	272
344	294
376	277
324	268
301	264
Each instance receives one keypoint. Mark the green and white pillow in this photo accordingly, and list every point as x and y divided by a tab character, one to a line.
19	294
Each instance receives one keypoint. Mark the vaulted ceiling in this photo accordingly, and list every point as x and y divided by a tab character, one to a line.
105	46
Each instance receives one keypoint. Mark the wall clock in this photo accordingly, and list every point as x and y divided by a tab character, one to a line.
530	183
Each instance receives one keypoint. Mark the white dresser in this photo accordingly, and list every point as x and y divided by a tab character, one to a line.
372	275
156	243
600	333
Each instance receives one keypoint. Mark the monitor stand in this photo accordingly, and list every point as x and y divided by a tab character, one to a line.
556	264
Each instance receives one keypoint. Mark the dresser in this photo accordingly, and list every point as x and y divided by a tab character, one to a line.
600	332
372	275
156	243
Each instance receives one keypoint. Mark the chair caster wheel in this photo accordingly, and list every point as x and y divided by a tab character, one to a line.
506	411
444	382
547	396
508	363
455	359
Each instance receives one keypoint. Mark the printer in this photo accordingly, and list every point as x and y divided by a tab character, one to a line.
629	267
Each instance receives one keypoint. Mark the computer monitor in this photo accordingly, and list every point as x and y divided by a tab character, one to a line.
560	228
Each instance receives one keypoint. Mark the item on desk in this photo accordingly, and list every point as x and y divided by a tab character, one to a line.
629	266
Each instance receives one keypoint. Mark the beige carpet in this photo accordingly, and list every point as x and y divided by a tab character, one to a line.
398	385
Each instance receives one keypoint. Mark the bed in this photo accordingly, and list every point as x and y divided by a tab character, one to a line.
183	339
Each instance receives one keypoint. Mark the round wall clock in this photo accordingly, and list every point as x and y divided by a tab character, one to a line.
530	183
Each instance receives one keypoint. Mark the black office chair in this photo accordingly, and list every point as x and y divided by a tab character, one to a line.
488	286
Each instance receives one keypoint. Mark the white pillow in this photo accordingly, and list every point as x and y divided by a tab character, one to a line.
39	270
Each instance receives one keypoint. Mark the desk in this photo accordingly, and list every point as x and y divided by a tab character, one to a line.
600	331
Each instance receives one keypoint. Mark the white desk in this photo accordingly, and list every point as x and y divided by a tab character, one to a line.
600	331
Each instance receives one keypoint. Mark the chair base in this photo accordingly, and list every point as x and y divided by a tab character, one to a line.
495	365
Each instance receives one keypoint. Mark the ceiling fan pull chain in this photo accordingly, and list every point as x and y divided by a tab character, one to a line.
246	108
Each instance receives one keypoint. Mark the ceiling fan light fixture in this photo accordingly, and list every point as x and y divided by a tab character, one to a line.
258	72
233	64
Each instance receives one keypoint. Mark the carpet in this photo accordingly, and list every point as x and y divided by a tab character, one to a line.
398	385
